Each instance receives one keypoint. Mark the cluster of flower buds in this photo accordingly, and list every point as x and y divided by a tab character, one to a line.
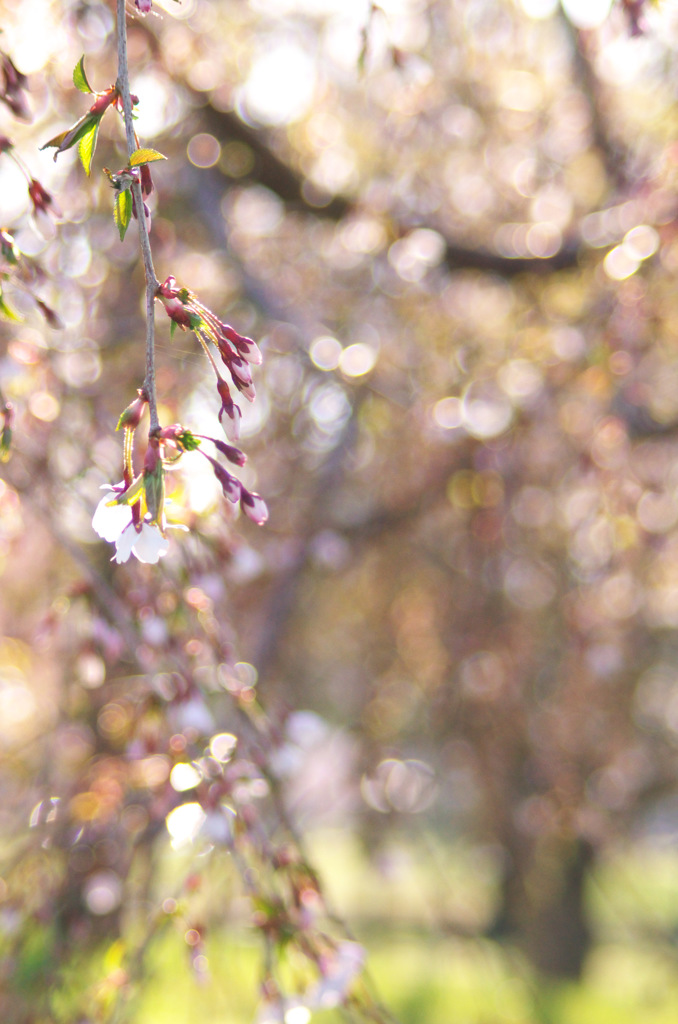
252	505
237	352
132	514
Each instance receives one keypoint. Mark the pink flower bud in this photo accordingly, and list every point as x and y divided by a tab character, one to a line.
131	416
177	312
168	289
229	484
254	506
146	179
230	417
42	200
247	348
233	454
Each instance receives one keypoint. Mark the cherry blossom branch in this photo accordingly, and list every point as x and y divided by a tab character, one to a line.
152	283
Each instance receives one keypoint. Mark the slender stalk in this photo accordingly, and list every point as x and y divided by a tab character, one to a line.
152	283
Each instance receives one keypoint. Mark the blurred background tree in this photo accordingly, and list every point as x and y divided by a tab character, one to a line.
451	227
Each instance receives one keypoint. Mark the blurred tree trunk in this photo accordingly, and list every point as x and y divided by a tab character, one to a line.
543	904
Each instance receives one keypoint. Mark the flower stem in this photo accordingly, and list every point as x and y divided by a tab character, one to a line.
152	283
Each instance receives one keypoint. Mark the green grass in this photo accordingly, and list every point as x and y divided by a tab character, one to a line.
424	974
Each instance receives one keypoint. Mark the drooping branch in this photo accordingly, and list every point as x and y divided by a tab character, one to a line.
152	283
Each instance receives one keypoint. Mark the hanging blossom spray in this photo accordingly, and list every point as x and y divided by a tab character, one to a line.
132	513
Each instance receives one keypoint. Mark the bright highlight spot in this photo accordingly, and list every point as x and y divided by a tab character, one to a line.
203	150
447	413
280	86
641	242
102	892
620	264
587	13
325	353
298	1015
184	823
44	406
222	746
486	410
184	776
539	9
357	360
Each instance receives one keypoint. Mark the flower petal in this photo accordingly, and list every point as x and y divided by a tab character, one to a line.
150	545
109	521
125	543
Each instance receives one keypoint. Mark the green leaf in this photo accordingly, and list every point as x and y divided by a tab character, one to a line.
122	212
74	134
80	78
145	156
195	320
87	145
173	327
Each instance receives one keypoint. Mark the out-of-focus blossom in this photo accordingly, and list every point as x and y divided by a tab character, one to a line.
51	317
45	209
13	87
339	970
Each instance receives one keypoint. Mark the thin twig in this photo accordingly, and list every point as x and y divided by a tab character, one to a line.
152	283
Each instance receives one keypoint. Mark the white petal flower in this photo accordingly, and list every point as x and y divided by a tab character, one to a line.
114	523
109	521
124	543
149	545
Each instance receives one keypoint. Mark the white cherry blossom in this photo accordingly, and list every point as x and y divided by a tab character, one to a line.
114	523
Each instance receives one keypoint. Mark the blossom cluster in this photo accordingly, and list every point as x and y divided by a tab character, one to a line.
237	352
132	513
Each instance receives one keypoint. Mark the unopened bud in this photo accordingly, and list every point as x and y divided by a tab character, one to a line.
254	506
229	484
232	453
131	416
